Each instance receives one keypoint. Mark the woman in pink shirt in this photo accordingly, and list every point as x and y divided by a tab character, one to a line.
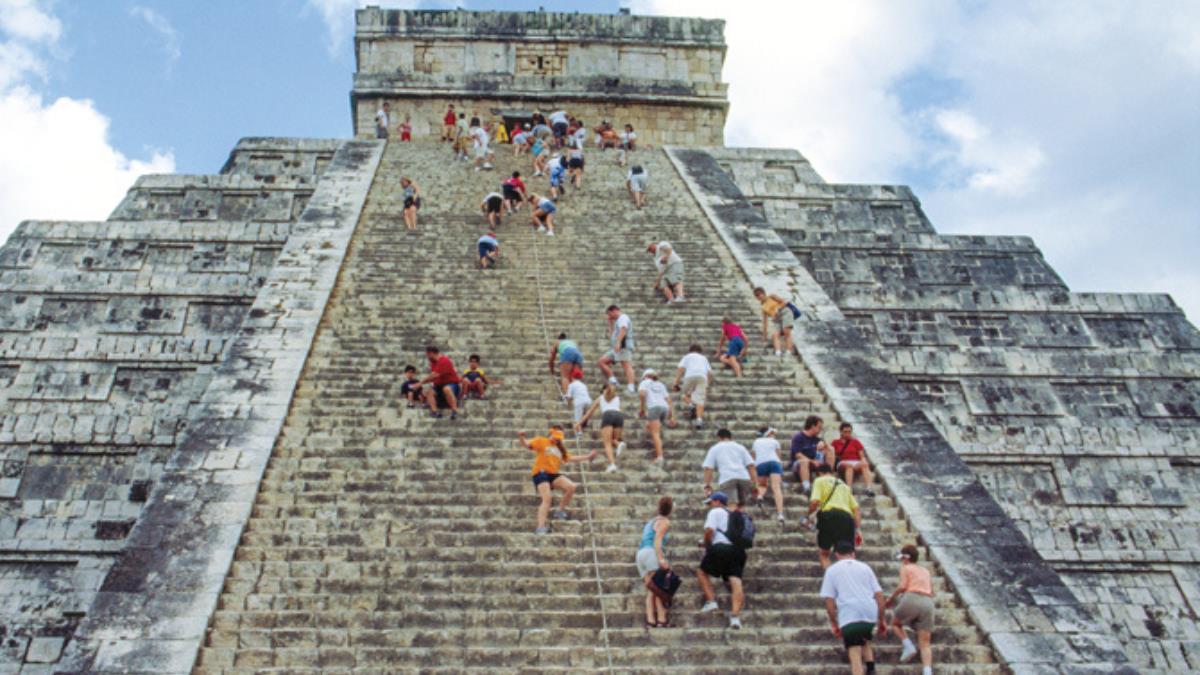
915	608
731	333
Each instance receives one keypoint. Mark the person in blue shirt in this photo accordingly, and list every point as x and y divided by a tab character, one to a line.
809	451
543	214
558	174
489	250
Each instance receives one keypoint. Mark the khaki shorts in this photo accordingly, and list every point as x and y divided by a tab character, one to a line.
739	490
915	610
647	561
694	388
619	356
674	273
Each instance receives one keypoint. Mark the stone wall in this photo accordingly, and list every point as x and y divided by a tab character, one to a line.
1080	412
661	74
110	334
654	124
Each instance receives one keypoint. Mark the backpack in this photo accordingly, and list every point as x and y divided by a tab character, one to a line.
636	169
740	529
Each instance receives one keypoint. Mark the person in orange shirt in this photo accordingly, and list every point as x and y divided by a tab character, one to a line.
915	608
551	454
780	312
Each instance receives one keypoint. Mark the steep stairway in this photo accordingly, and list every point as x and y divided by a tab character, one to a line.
384	540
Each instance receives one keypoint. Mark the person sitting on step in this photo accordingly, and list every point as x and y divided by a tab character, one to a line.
543	214
411	389
492	207
612	423
809	452
733	339
475	381
550	454
446	383
851	458
489	250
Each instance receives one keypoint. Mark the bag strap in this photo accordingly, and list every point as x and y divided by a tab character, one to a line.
837	482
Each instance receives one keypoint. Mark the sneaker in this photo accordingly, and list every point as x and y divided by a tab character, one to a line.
631	389
537	173
699	423
612	381
778	354
477	168
735	623
680	298
436	415
869	493
620	447
453	415
710	606
550	233
612	468
545	529
541	228
908	653
488	165
558	514
780	518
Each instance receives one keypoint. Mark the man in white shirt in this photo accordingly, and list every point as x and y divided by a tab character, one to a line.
721	559
695	372
656	408
483	155
670	270
620	350
734	466
382	120
855	605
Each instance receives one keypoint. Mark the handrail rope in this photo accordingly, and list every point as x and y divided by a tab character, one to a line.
537	269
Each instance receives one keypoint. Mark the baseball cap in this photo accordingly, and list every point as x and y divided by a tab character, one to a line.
719	497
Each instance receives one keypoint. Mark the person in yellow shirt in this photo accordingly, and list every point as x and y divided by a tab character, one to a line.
783	314
838	516
550	454
501	133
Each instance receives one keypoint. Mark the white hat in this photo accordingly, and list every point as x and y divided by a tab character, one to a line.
649	372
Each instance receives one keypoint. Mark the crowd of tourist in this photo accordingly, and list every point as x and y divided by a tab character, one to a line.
736	480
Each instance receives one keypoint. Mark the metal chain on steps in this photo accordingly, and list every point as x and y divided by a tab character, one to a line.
583	472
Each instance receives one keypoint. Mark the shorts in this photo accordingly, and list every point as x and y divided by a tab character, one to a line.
412	201
481	152
695	387
494	204
834	525
619	355
637	182
850	464
486	250
647	561
771	468
544	477
560	129
511	193
575	163
674	273
571	355
657	413
736	345
556	180
581	407
612	418
381	132
857	634
441	394
548	208
739	490
724	560
915	610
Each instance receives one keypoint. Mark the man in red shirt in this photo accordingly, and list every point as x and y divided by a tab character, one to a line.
852	458
445	379
448	124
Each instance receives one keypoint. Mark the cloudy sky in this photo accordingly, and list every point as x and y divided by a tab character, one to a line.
1075	122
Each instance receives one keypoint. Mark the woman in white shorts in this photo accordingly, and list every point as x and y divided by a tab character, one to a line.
651	557
612	423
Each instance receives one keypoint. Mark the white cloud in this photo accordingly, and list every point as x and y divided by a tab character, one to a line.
161	25
55	158
1073	122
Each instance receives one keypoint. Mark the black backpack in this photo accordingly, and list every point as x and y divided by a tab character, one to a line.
740	529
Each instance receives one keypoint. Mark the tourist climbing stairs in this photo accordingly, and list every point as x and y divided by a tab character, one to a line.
387	541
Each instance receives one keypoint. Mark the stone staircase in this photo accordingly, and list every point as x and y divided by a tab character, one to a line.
384	540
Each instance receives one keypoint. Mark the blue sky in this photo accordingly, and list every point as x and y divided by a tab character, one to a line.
1075	122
